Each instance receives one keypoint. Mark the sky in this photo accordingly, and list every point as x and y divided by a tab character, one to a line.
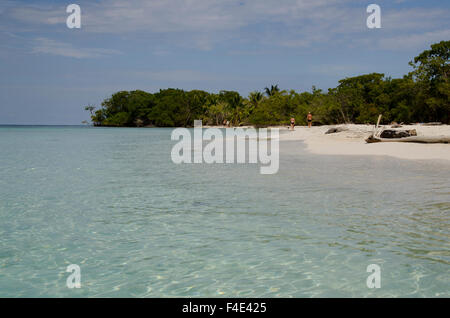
49	72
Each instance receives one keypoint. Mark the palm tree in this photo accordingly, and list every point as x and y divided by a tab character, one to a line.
255	98
272	90
235	104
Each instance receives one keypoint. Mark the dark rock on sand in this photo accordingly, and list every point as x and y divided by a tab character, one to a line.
335	130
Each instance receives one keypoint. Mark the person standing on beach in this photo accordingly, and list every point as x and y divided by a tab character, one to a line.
309	119
292	123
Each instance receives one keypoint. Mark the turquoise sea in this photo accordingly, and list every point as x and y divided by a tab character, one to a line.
111	201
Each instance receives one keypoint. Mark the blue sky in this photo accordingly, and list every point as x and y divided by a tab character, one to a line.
49	72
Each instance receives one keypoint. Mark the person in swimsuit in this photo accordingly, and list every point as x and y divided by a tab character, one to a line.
292	123
309	118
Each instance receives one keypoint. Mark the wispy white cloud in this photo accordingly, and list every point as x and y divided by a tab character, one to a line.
38	15
203	24
413	41
414	19
49	46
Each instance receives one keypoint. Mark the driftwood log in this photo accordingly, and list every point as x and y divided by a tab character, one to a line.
415	139
376	136
396	125
390	133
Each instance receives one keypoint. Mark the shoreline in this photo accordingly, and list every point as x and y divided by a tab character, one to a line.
352	142
348	142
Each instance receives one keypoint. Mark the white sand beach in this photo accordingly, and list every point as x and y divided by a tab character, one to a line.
352	142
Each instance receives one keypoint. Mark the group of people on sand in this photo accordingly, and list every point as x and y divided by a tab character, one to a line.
308	119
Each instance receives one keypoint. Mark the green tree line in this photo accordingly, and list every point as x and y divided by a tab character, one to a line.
423	95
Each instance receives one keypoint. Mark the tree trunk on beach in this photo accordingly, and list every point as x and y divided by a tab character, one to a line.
414	139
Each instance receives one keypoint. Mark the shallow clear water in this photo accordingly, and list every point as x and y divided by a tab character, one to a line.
112	201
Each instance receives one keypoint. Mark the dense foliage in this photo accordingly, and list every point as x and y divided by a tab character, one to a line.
421	96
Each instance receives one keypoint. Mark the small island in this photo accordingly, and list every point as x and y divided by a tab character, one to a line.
423	95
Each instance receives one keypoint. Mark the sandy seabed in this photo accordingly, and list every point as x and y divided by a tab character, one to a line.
352	142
